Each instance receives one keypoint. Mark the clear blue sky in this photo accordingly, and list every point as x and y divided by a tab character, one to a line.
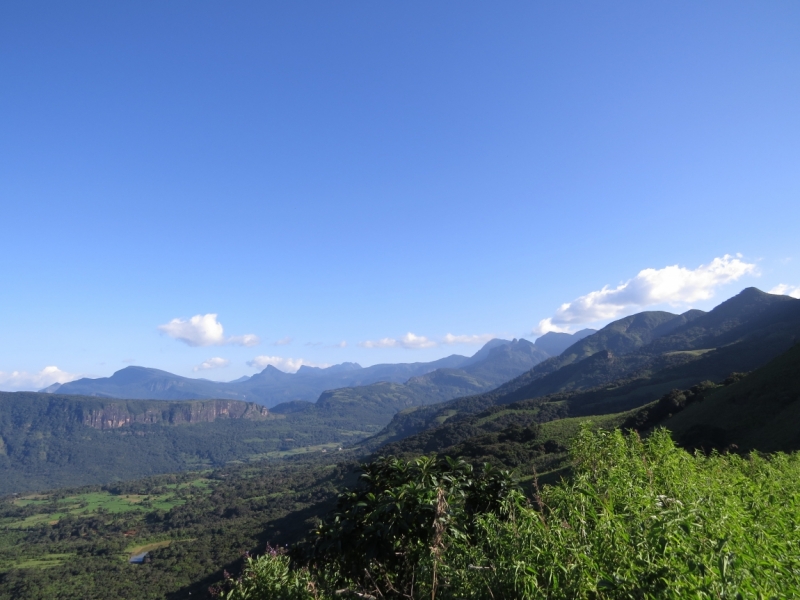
355	171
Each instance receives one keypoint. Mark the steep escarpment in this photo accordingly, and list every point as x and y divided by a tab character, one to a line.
28	410
119	414
49	440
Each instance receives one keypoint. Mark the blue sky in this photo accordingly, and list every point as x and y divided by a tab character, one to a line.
316	173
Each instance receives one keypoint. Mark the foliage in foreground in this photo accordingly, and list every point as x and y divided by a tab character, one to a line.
639	519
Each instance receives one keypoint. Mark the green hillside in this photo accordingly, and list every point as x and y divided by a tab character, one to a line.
495	367
740	335
194	526
50	441
759	412
684	374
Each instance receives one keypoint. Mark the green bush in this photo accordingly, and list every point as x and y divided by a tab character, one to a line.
644	519
638	519
268	577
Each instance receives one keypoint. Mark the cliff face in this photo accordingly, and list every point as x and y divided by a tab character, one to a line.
119	414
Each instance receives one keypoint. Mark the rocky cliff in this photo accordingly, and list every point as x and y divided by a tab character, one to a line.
112	415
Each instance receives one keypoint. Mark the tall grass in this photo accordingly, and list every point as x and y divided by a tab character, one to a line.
638	519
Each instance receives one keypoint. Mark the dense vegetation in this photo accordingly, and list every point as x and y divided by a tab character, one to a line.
638	519
614	517
76	543
659	352
759	412
44	442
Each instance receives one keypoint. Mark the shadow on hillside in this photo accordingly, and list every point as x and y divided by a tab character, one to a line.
284	531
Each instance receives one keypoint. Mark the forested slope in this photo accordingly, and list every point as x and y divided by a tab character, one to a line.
740	334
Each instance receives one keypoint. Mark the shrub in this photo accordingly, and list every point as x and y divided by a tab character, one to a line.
639	519
268	577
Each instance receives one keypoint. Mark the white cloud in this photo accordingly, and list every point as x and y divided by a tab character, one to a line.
249	340
414	342
22	380
673	285
289	365
409	340
450	339
212	363
382	343
204	330
786	290
283	342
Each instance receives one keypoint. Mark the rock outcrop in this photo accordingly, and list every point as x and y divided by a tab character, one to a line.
119	414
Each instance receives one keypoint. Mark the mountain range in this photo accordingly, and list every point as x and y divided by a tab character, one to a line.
273	386
447	405
726	380
54	438
625	365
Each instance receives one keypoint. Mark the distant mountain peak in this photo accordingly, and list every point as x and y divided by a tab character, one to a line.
753	292
50	389
494	342
483	353
554	343
136	374
693	313
751	295
746	302
343	367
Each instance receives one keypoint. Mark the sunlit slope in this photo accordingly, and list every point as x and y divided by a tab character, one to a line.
740	334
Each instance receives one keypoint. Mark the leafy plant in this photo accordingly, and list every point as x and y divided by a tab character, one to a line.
267	577
638	519
386	537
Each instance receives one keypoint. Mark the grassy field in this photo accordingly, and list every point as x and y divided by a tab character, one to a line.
564	431
50	509
78	543
40	562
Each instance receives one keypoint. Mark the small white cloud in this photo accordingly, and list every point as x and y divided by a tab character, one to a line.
409	340
204	330
249	340
546	326
412	341
673	285
382	343
451	339
289	365
212	363
128	361
786	290
22	380
342	344
283	341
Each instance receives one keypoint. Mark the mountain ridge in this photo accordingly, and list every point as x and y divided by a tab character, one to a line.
495	362
269	387
754	326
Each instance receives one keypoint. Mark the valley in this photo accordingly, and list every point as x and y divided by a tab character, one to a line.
207	480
